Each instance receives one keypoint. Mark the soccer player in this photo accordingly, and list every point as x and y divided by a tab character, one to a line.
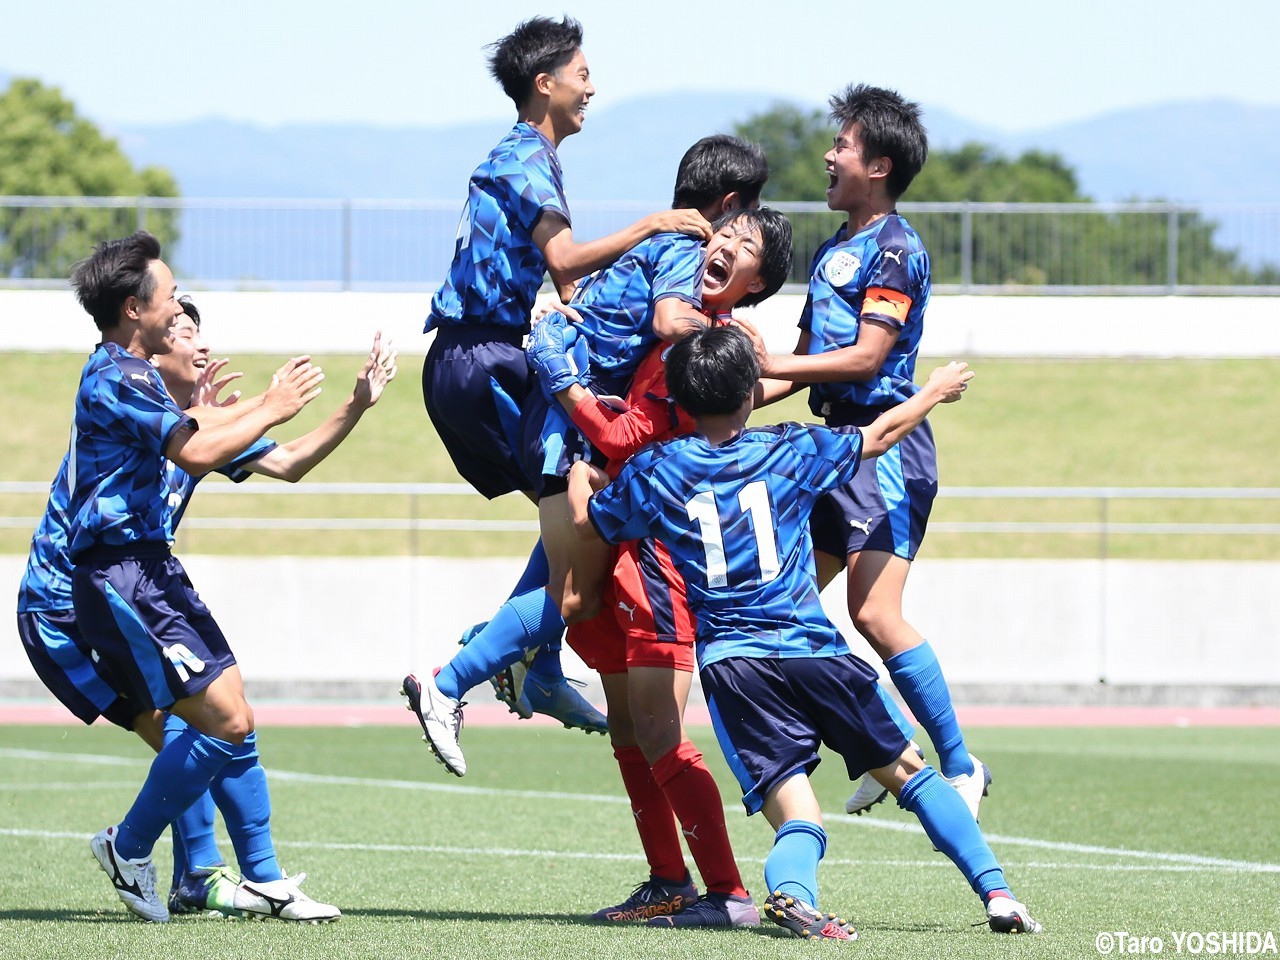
152	639
623	311
859	336
642	640
515	228
732	504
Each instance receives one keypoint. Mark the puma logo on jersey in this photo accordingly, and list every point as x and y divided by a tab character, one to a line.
140	376
631	610
894	255
864	527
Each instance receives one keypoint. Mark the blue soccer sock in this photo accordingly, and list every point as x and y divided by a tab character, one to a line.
792	864
521	624
546	668
919	679
536	572
181	771
949	824
194	844
240	791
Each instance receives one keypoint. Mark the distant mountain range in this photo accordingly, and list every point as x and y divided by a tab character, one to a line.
1201	152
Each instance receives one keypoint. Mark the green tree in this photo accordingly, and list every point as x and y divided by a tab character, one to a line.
48	150
1033	248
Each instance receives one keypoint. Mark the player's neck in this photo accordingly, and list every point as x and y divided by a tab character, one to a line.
868	213
537	115
721	428
126	336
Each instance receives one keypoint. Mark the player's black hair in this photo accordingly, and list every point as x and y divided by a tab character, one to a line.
891	127
775	248
114	272
538	45
712	371
719	165
190	310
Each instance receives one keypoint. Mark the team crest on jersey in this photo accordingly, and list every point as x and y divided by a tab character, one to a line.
842	268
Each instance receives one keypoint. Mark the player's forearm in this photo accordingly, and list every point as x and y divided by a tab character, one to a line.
211	416
894	424
846	365
615	433
579	496
294	460
569	261
207	449
771	391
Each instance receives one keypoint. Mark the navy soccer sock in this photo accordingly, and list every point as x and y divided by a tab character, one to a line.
919	679
792	864
240	791
947	821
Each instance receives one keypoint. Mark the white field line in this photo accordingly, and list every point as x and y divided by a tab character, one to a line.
1161	861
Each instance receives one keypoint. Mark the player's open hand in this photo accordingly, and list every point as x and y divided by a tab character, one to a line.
209	385
685	220
757	341
952	380
294	385
379	369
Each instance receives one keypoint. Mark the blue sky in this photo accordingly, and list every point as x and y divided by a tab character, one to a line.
1015	66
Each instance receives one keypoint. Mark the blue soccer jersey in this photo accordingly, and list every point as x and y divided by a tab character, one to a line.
46	582
497	268
881	272
735	520
124	419
617	304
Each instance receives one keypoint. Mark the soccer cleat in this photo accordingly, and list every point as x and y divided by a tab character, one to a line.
653	898
712	910
972	786
205	889
282	900
558	699
441	720
870	792
134	880
1006	915
805	922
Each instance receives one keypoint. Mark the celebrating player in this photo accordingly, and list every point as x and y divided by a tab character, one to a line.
732	505
860	333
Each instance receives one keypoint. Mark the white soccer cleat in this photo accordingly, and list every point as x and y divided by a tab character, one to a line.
1006	915
134	880
282	900
440	718
869	793
972	787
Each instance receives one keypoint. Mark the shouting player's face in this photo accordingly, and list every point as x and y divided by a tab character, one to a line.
570	90
850	173
733	265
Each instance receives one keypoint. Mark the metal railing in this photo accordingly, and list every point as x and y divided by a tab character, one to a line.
976	248
1103	524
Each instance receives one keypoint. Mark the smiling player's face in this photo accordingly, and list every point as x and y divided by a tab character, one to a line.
157	315
180	367
733	265
570	90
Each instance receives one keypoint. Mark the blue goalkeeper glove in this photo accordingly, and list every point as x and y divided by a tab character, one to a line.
548	353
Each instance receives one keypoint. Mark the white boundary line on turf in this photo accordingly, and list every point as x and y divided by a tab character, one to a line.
1187	860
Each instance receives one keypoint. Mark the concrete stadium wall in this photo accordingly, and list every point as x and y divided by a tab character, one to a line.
959	326
1008	631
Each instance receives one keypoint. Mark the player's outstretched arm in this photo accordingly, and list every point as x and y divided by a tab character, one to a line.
569	261
197	452
856	364
294	460
945	385
584	480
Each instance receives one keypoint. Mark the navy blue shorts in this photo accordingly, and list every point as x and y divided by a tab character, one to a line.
552	444
64	664
475	382
887	504
155	640
770	715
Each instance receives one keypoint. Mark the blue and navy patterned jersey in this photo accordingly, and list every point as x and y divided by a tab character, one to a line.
46	583
617	304
882	272
497	268
124	419
735	519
